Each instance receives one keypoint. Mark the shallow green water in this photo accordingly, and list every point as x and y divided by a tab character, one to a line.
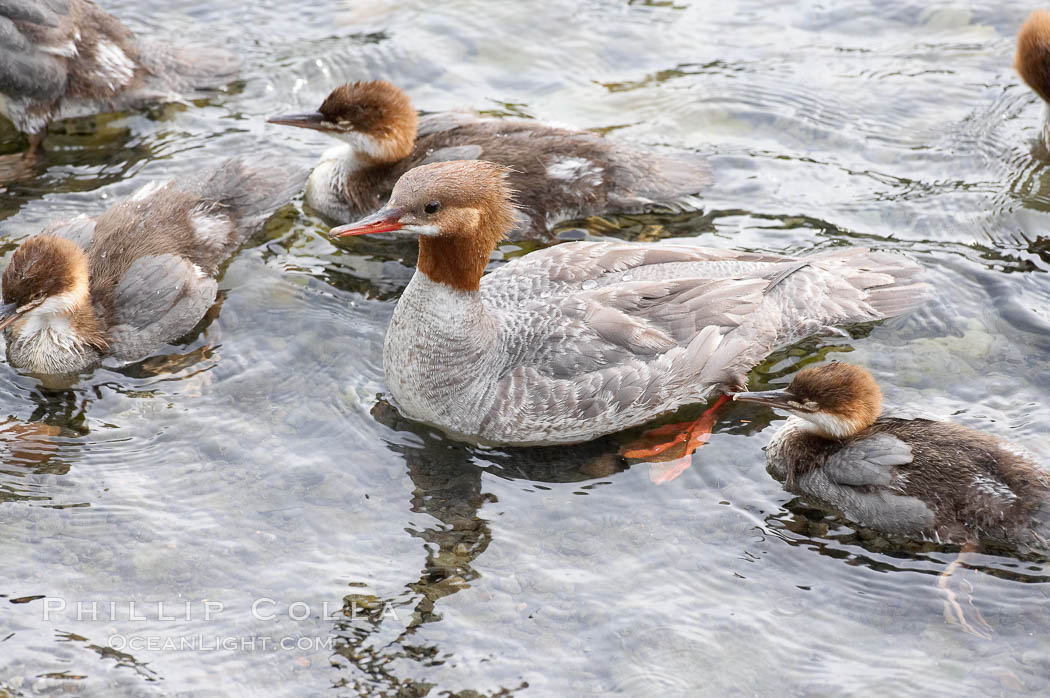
260	478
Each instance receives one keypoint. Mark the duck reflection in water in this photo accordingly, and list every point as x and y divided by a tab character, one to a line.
447	478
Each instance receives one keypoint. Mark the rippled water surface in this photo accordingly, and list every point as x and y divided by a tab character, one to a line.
255	482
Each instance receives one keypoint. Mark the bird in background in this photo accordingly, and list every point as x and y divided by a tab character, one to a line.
559	174
68	58
139	275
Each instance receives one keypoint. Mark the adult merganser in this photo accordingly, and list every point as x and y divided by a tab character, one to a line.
1032	61
67	58
141	274
559	174
583	339
909	476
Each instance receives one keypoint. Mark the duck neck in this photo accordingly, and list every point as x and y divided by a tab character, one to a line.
796	449
439	337
442	328
368	186
367	168
441	312
829	426
347	182
455	261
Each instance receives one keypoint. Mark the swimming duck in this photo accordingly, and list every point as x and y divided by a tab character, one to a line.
916	477
583	339
559	174
1032	61
68	58
141	274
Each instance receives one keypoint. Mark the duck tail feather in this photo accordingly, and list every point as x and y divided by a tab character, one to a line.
250	189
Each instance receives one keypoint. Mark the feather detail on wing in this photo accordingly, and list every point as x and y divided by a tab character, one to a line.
616	332
870	462
159	298
879	507
576	262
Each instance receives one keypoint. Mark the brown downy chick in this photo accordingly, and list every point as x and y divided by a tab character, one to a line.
559	174
911	476
140	275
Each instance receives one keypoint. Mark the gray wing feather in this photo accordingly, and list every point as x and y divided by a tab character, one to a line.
868	461
581	261
654	316
25	69
159	298
627	331
149	288
622	351
860	480
878	508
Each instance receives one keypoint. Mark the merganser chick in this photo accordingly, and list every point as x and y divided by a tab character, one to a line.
141	274
583	339
1032	61
908	476
559	174
67	58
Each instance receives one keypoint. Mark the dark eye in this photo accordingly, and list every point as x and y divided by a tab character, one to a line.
432	208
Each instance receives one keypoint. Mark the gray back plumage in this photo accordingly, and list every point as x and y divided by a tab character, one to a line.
249	189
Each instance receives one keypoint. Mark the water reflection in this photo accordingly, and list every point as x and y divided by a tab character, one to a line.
447	479
87	153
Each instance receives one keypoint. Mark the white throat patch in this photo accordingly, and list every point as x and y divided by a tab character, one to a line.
425	230
48	328
825	424
362	144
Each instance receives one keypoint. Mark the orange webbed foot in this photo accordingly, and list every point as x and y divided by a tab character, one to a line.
684	439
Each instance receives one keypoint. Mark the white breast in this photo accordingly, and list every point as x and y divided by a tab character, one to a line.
48	343
325	190
441	357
